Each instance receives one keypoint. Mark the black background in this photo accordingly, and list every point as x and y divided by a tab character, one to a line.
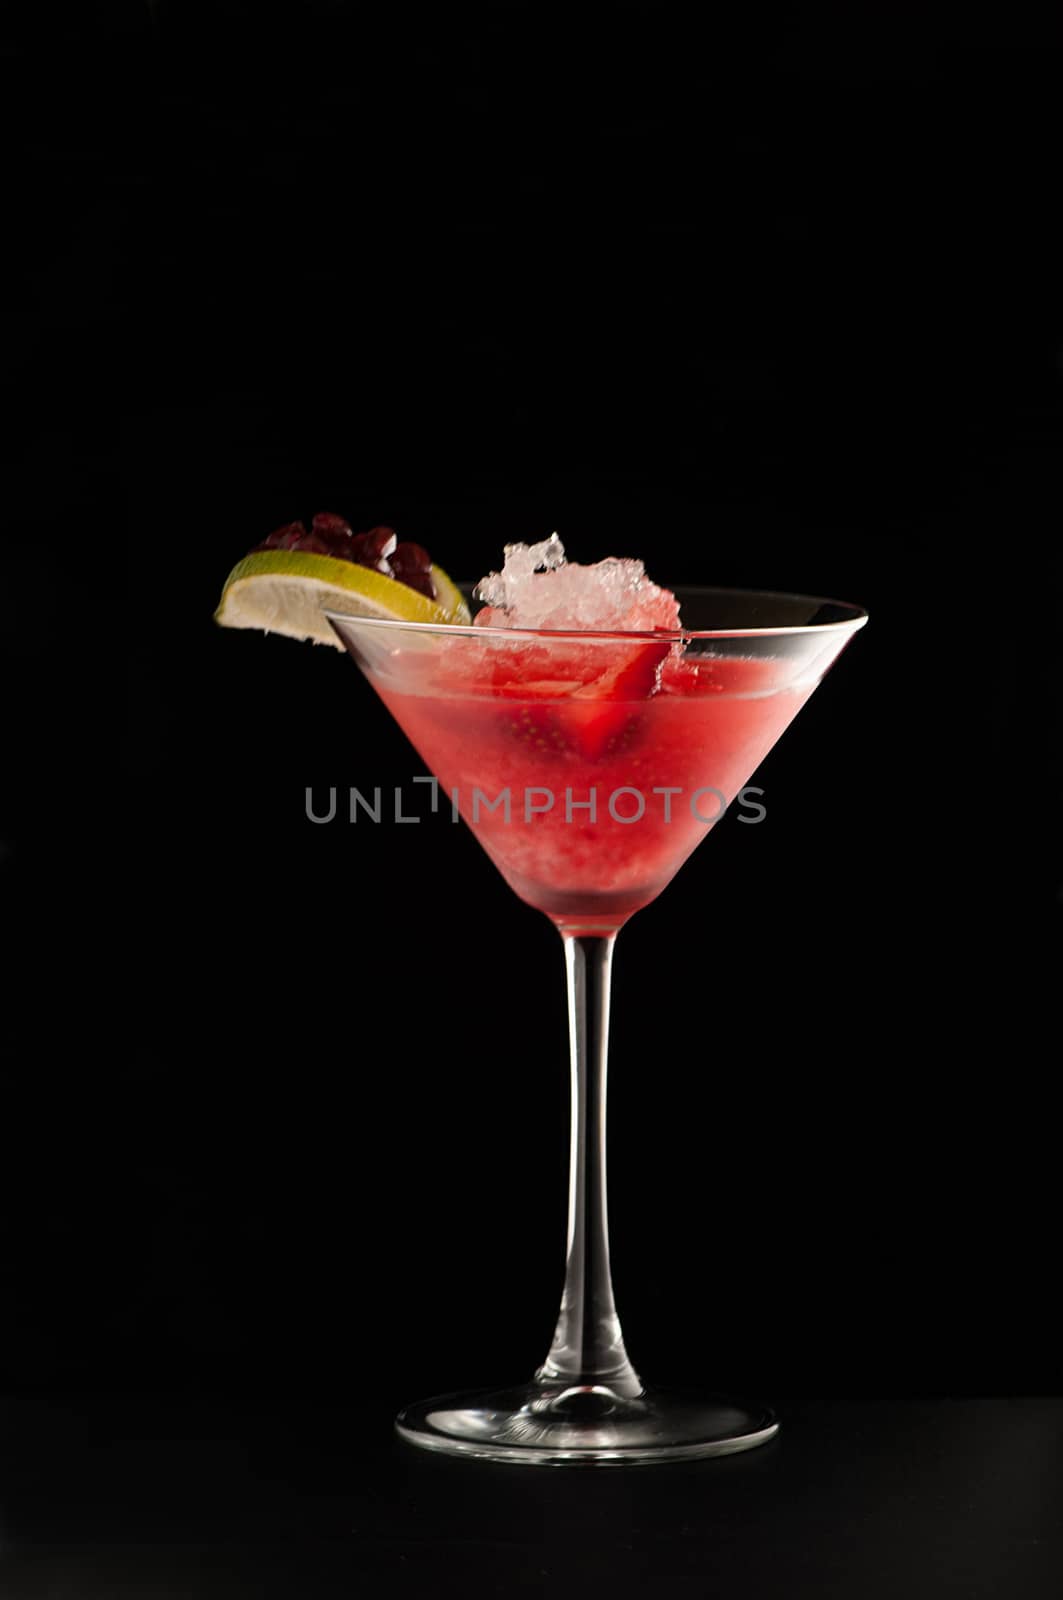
766	304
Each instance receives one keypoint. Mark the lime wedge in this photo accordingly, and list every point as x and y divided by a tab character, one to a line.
287	591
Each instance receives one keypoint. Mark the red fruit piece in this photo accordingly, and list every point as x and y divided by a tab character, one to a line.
379	549
537	725
551	691
285	538
412	556
314	545
411	564
594	719
379	543
423	582
600	712
331	536
632	678
329	525
540	726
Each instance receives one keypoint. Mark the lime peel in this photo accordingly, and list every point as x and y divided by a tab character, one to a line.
286	591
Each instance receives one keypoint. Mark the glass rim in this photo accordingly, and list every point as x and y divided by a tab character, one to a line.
857	617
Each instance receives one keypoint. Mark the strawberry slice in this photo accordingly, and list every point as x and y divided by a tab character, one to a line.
590	718
603	719
538	689
539	725
633	678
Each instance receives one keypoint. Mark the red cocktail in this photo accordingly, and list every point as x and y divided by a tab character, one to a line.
589	798
590	749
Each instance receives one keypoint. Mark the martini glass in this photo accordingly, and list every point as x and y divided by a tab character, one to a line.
590	765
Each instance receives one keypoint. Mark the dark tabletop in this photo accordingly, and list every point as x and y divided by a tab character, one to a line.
172	1496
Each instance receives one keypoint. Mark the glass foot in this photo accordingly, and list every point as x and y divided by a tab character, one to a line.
584	1425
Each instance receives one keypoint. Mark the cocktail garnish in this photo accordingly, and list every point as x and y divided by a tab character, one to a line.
285	584
379	549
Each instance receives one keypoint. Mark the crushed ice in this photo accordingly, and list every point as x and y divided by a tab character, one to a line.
538	588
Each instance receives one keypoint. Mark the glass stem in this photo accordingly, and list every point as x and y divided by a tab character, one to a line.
588	1346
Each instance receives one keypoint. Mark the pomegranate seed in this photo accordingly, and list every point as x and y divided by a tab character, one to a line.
379	549
329	525
423	582
410	557
314	545
380	542
284	538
